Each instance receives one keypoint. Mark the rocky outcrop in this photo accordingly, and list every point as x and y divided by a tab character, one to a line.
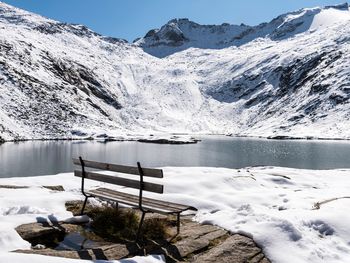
195	243
169	141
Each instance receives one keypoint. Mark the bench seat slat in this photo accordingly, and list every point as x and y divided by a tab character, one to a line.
150	172
106	196
149	200
132	200
151	187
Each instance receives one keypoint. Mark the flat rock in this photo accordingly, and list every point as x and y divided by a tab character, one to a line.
35	230
194	230
45	233
13	186
58	188
109	252
196	243
236	248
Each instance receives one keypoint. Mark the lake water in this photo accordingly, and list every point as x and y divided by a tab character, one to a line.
52	157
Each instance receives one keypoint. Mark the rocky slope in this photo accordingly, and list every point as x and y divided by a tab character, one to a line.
288	77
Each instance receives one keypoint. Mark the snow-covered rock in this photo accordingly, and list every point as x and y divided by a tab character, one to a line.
288	77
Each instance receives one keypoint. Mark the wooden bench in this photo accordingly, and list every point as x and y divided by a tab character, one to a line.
144	204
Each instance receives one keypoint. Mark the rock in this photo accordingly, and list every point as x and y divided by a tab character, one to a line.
194	230
13	186
39	246
191	245
58	188
108	252
194	243
193	238
41	233
236	248
283	137
115	251
167	141
75	206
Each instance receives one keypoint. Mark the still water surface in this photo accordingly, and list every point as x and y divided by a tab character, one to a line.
52	157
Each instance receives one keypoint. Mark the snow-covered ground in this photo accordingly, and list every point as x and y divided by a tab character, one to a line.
292	214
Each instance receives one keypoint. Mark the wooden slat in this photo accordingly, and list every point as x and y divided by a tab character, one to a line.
151	187
147	201
132	202
150	172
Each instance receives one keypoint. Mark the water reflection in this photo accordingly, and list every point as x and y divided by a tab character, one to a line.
39	158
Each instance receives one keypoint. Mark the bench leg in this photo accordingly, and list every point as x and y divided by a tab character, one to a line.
140	226
82	209
178	223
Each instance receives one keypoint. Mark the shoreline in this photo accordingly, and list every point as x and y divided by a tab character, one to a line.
165	139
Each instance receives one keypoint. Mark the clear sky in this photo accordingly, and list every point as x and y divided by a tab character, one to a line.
130	19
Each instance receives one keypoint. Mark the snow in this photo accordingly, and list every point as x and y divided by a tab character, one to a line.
15	257
329	17
39	204
287	77
294	215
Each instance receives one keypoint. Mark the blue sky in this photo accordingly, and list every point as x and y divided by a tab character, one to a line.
133	18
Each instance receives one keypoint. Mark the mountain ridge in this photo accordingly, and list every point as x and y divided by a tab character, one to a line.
65	81
179	34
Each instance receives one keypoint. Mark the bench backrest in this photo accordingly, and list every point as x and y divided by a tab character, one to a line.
117	180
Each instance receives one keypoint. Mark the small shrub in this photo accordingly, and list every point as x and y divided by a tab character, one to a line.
113	224
75	207
155	229
120	225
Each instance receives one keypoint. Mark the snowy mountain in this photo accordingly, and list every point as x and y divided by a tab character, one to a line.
288	77
181	34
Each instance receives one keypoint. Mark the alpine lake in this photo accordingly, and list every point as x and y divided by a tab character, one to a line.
33	158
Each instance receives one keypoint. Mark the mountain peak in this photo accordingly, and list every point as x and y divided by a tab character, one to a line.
13	15
180	34
344	6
